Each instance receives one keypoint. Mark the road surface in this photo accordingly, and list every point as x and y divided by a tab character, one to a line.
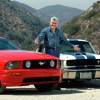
76	91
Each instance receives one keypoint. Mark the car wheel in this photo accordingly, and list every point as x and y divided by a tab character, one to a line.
44	87
2	89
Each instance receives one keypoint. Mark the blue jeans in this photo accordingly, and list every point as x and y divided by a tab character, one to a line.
53	52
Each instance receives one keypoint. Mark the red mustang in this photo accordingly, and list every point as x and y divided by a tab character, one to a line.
19	67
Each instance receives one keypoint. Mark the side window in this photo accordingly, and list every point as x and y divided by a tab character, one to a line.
5	45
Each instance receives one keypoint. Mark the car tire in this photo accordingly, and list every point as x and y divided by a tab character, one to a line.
2	89
44	87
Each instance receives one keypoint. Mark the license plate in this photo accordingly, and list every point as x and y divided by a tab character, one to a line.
85	75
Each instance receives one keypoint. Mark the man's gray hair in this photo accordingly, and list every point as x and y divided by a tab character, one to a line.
54	19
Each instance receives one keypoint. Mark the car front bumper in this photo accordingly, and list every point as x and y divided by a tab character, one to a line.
83	74
28	77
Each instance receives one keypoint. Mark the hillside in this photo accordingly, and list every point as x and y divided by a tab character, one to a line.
64	13
33	11
87	26
17	23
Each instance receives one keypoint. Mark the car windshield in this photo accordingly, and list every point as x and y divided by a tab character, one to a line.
84	46
7	45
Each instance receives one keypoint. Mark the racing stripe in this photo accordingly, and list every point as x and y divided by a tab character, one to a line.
90	56
79	56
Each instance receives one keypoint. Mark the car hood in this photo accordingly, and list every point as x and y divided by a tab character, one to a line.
73	56
12	55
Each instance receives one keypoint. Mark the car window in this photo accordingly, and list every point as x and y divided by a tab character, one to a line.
66	49
6	45
85	47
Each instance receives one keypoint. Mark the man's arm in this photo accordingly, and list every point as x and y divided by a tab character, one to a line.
39	41
63	40
40	37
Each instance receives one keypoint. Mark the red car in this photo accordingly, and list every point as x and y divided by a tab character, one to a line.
19	67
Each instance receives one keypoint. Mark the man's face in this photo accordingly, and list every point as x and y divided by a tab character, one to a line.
53	24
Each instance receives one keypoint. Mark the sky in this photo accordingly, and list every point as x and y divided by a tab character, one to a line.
80	4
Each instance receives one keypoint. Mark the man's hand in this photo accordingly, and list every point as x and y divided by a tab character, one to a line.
77	48
36	41
36	44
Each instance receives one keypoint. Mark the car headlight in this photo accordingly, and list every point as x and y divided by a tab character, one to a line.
64	64
27	64
52	63
12	65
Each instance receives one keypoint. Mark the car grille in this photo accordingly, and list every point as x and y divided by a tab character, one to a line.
40	64
87	63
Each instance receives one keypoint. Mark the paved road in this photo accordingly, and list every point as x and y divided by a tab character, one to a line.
75	91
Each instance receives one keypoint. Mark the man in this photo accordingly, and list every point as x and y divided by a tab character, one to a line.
52	37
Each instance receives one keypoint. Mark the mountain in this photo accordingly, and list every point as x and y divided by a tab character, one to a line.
18	23
26	7
64	13
87	26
